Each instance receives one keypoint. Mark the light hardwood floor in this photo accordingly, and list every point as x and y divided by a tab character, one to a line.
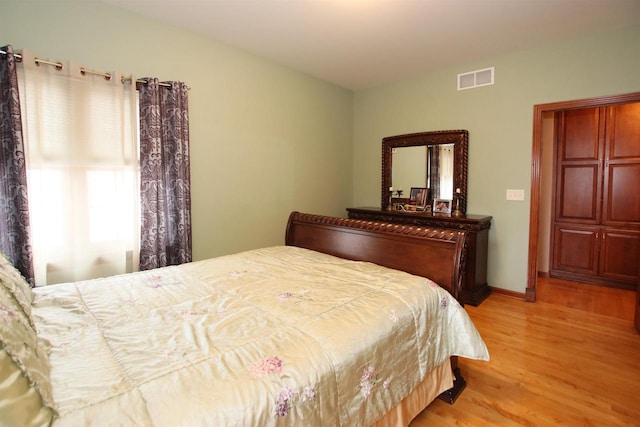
573	362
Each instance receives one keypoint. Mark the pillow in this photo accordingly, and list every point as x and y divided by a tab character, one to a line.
24	367
21	404
17	286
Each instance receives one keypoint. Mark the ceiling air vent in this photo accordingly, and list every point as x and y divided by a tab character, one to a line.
476	78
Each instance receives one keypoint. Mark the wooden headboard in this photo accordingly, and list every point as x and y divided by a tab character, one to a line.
435	253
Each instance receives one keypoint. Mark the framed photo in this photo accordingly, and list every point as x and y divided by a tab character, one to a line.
419	196
442	206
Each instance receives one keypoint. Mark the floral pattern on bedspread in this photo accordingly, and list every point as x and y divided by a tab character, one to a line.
369	379
288	395
275	336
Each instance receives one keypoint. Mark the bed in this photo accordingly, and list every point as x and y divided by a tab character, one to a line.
332	328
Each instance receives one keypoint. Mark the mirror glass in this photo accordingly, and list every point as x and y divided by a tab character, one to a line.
435	160
412	167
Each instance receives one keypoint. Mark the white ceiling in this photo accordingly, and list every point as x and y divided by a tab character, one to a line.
363	43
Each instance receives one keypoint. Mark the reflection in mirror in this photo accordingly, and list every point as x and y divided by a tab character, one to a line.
424	166
409	168
436	160
440	171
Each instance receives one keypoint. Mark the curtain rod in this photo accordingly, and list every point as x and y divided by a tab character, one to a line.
83	70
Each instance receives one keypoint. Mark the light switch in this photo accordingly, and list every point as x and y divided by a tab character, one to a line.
515	194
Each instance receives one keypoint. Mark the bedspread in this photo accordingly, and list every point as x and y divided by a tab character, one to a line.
274	336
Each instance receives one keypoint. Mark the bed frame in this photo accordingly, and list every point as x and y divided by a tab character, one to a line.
436	253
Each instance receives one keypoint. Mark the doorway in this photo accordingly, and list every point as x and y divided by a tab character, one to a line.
541	112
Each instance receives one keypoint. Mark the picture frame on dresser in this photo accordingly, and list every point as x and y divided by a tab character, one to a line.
442	206
419	196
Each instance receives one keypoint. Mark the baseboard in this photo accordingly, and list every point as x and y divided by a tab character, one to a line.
509	293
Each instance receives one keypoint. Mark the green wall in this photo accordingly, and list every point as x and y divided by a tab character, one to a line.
499	119
265	140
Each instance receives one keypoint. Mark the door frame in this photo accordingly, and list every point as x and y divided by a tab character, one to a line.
536	161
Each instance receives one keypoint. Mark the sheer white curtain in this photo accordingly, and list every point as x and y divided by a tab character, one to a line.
80	133
446	172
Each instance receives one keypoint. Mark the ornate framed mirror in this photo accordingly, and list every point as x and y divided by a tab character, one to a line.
437	160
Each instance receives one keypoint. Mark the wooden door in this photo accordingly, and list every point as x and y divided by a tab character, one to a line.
620	252
578	172
621	195
596	230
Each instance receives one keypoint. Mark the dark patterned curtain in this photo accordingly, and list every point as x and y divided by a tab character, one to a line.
14	205
165	187
434	171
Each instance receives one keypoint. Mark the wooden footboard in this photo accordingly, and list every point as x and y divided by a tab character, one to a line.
435	253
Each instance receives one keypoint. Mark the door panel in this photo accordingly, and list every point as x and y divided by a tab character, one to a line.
578	191
620	255
581	132
623	134
622	195
575	249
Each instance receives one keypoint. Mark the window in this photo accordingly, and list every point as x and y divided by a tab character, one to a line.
80	133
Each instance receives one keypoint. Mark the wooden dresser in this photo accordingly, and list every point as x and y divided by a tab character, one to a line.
475	288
